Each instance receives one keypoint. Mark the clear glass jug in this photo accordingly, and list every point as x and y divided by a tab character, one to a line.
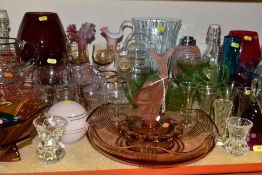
161	32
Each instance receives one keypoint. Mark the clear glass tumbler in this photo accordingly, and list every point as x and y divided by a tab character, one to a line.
230	90
238	129
50	129
207	93
188	89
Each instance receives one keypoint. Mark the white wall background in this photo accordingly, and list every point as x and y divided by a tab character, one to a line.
196	16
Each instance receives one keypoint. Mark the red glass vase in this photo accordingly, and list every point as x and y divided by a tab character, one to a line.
46	31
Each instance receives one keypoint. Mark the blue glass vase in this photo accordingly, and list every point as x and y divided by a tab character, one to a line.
230	54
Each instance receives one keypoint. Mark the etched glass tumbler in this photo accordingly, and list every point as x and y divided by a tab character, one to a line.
222	111
238	129
50	129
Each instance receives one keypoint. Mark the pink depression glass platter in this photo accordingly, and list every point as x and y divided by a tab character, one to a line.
110	132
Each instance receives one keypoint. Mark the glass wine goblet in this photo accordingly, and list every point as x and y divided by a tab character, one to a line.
47	79
188	90
102	56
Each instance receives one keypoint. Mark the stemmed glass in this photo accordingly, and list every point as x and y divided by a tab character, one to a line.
84	77
188	89
230	90
47	79
102	56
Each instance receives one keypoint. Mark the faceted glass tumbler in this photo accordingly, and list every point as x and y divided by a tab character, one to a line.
50	129
238	129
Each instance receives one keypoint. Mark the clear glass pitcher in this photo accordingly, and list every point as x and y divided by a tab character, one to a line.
161	32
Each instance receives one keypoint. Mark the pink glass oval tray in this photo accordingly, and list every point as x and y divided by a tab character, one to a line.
106	134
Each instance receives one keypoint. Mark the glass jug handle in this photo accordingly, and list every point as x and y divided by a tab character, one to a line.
126	24
256	86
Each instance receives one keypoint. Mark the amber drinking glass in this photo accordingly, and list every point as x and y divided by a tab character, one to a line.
46	31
